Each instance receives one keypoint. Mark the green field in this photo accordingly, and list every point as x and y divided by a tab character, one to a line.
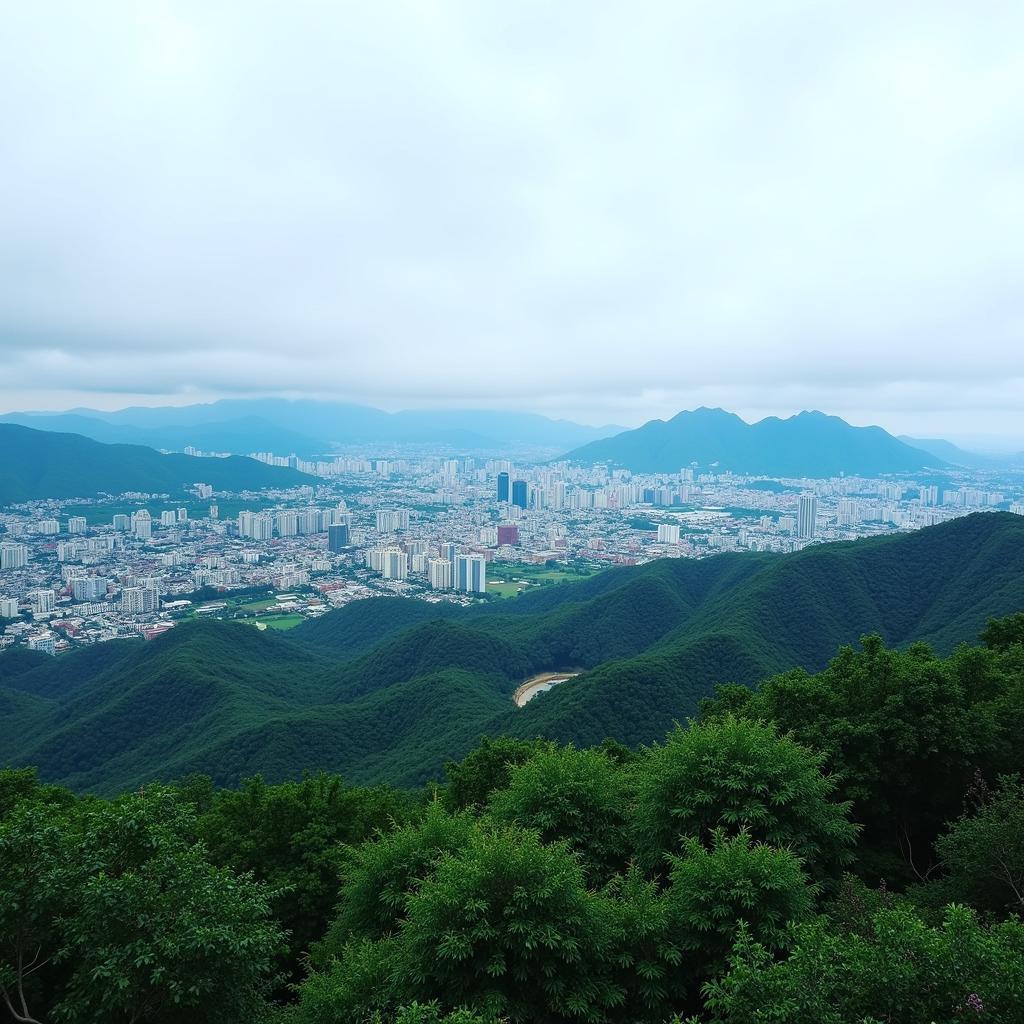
278	621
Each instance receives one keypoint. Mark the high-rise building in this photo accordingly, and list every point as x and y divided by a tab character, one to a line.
337	537
668	534
139	600
439	573
807	516
142	524
42	601
76	524
396	564
8	607
89	588
391	520
182	515
13	556
503	487
48	526
121	522
520	494
450	552
287	524
168	517
471	574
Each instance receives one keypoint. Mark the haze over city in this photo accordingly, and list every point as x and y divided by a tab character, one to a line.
586	211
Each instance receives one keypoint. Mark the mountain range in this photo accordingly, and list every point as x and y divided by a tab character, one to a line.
306	427
43	464
387	689
809	444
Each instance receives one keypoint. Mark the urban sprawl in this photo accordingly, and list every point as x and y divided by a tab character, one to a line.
430	528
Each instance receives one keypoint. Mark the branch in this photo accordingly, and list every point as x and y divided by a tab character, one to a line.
21	1019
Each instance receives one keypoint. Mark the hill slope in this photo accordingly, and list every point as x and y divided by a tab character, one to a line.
387	689
306	426
808	444
42	464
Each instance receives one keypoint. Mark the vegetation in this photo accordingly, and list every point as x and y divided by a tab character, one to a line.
810	444
700	878
390	689
41	464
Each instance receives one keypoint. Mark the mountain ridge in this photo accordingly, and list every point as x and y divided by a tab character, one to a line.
808	444
42	464
385	694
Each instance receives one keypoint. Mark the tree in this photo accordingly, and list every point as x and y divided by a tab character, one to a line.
123	899
507	927
1001	634
648	962
288	835
715	888
379	875
39	881
736	775
984	852
485	769
900	971
579	796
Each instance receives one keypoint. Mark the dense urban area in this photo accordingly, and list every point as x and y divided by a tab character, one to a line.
434	528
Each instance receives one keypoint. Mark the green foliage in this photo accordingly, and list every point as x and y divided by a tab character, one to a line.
45	464
903	730
899	971
579	796
119	909
714	888
378	876
984	852
288	836
647	960
485	769
731	774
390	690
508	926
1001	634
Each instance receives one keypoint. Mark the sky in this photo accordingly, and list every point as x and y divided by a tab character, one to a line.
600	211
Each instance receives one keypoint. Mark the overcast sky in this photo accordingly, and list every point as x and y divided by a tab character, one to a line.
605	211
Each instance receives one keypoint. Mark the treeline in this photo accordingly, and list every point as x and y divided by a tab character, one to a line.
835	848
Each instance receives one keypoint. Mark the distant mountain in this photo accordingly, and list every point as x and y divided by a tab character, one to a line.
808	444
43	464
956	456
308	427
242	435
387	689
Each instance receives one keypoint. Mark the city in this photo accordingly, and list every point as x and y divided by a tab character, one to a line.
432	528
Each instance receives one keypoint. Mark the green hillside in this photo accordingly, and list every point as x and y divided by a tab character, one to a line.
388	689
41	464
808	444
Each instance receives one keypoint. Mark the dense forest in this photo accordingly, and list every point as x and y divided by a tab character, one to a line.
837	847
389	689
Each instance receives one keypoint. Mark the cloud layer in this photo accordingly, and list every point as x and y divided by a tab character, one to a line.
605	211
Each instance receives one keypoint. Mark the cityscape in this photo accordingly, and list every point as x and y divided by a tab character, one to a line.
431	528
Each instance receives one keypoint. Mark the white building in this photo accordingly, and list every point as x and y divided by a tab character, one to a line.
807	516
13	556
439	573
471	574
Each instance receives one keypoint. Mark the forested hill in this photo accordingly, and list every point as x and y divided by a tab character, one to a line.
387	689
809	444
43	464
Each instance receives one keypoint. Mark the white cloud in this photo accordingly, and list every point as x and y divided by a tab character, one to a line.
584	209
